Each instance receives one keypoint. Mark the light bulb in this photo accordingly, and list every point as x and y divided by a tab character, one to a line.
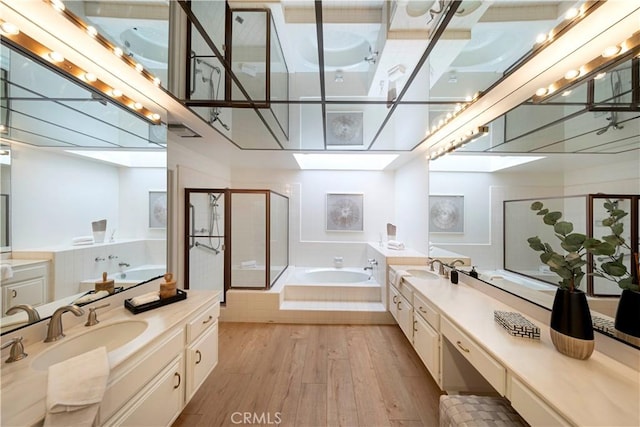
116	93
542	91
571	13
118	52
58	5
91	30
139	67
541	38
9	29
610	51
156	81
571	74
90	77
137	106
55	56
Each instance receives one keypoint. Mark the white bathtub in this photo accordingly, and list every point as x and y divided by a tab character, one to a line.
129	277
330	275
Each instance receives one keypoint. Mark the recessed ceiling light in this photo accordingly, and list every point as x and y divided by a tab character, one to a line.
330	161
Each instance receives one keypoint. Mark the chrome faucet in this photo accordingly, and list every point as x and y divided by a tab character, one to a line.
54	331
123	264
32	313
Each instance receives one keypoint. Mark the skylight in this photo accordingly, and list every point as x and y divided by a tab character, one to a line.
131	159
350	161
462	163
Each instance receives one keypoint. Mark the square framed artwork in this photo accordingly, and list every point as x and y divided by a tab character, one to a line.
157	209
446	214
345	212
345	129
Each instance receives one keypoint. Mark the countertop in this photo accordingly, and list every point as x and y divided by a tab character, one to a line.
597	391
24	388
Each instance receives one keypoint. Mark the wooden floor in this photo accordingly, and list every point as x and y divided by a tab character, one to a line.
314	375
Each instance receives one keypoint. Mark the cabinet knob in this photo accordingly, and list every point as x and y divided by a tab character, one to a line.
399	302
415	322
199	357
179	380
204	322
14	293
422	309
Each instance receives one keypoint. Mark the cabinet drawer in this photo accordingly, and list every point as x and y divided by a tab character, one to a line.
30	292
202	321
202	357
27	272
131	379
427	311
160	403
532	408
488	367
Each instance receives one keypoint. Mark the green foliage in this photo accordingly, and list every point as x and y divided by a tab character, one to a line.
608	251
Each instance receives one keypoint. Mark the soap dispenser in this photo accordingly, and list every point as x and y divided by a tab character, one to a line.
473	273
168	287
105	285
454	276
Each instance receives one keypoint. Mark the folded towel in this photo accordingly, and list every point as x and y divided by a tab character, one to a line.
394	244
248	264
82	240
6	272
75	388
145	298
399	275
91	297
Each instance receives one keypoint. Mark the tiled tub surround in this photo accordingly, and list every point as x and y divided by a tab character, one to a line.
544	386
71	265
171	341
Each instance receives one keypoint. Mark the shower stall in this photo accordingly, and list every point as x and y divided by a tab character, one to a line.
235	239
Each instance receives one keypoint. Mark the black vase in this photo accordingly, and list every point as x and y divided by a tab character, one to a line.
571	326
628	313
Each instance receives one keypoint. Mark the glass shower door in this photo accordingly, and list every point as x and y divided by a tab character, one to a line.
206	239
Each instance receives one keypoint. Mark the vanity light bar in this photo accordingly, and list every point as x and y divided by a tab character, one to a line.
470	136
593	69
58	5
571	17
25	43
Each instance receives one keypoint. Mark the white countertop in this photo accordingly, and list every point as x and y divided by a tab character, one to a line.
24	388
598	391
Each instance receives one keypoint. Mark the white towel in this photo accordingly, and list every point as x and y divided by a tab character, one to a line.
248	264
91	297
394	244
399	275
145	298
75	388
82	240
6	271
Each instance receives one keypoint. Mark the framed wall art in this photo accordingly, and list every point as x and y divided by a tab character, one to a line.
345	212
345	129
446	214
157	209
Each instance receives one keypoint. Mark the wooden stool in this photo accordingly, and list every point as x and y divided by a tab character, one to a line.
477	411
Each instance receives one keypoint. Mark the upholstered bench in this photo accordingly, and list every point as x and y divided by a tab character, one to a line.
477	411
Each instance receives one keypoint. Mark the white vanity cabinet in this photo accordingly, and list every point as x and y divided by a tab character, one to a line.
154	390
27	286
401	309
426	335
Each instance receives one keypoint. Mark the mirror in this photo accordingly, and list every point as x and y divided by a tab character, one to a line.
73	158
587	142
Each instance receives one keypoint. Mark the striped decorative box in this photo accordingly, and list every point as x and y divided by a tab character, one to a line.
516	324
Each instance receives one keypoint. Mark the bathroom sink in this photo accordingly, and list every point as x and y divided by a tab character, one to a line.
110	336
423	274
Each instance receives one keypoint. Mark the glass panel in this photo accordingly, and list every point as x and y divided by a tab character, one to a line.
5	198
206	71
520	223
206	240
279	83
249	240
249	53
614	87
279	218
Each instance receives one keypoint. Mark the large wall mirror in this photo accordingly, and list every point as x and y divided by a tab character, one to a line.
71	158
579	143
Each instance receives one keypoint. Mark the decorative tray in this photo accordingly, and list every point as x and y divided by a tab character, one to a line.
516	324
135	309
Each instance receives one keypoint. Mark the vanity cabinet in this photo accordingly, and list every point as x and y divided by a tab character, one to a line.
426	336
401	309
27	286
153	390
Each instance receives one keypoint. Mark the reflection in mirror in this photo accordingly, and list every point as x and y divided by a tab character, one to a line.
75	160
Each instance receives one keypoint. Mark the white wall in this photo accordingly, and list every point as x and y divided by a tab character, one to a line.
411	204
310	243
56	197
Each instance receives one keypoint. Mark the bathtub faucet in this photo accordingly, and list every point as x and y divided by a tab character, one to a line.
123	264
